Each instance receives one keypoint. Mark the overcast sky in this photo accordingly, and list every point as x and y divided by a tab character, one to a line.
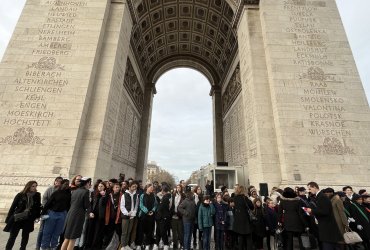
181	133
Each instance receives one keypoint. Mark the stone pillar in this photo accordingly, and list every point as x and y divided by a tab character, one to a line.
47	77
321	114
218	135
142	158
262	152
95	155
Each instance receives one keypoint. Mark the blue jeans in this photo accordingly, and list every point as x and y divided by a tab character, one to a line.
207	238
39	235
188	230
53	227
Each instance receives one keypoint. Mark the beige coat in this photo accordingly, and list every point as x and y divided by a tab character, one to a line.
340	216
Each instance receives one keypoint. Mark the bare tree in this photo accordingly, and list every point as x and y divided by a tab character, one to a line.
163	176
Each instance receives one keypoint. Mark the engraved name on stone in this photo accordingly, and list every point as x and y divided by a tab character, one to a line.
323	103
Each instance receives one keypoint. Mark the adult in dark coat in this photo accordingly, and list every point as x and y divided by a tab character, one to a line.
242	224
329	234
80	206
30	198
291	216
362	221
259	226
94	235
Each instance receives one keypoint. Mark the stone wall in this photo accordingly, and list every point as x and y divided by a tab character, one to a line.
110	142
263	157
46	78
321	114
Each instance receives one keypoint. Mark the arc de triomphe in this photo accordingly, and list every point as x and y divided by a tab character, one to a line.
78	79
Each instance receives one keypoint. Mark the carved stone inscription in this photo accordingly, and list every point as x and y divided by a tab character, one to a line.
44	81
235	145
232	91
320	98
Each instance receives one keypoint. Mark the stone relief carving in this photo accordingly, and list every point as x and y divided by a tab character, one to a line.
133	86
232	91
318	74
235	144
46	63
23	136
6	179
333	146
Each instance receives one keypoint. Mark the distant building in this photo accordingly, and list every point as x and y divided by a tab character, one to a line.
194	177
152	169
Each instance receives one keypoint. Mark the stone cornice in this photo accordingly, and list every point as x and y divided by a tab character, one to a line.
239	10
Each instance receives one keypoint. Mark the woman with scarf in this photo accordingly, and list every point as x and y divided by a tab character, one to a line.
177	227
27	203
148	206
111	204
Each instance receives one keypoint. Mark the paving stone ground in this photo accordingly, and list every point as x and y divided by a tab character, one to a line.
32	241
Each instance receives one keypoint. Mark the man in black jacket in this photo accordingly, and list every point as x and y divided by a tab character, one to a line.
329	234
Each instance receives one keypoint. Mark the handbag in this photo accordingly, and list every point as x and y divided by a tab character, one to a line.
25	214
22	215
351	237
305	239
252	217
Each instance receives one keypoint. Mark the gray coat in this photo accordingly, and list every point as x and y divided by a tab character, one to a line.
187	210
80	206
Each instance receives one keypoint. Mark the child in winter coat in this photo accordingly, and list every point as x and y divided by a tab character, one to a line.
271	219
230	236
205	220
220	220
259	225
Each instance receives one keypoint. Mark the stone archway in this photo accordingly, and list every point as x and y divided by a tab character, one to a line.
77	84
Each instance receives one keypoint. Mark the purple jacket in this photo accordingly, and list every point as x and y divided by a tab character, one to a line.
220	215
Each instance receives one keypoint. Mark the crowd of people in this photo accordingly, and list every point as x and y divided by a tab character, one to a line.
127	215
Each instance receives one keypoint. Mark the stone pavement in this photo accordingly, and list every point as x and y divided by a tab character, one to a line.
31	243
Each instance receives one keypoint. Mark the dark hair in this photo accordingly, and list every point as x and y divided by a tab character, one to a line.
328	190
313	184
346	187
84	182
97	184
206	197
116	184
231	199
196	189
165	188
59	178
267	199
28	186
181	189
133	183
64	184
113	180
361	191
289	193
189	194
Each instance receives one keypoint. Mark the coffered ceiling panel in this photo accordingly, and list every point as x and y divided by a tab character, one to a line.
170	30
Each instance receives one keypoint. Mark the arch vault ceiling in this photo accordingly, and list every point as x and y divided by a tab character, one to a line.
192	30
